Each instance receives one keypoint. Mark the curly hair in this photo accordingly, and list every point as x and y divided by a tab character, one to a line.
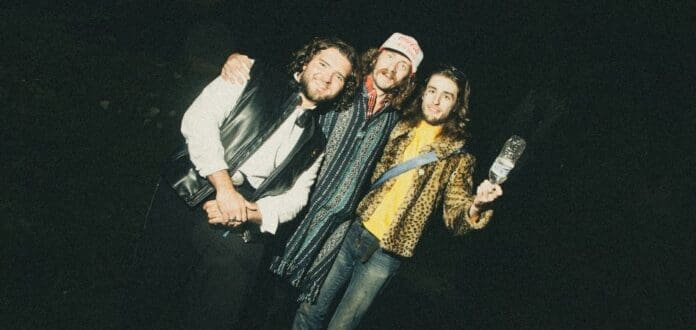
455	126
304	55
400	93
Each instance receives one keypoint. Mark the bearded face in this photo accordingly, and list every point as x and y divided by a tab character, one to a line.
390	70
324	77
439	99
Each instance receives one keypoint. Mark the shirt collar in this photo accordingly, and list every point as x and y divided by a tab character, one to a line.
372	93
443	145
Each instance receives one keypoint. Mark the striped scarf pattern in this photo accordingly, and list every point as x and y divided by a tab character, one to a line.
354	146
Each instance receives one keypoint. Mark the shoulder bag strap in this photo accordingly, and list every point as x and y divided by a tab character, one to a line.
412	163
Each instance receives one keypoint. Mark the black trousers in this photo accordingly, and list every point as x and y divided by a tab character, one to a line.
185	273
273	304
153	297
223	277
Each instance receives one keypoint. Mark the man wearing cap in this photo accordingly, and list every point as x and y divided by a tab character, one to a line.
356	138
391	218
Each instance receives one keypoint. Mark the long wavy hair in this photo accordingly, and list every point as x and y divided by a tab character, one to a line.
399	94
455	126
304	55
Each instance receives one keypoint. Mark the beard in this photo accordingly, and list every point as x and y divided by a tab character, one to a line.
312	95
435	121
432	120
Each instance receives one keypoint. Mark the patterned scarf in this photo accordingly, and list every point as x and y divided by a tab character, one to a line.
352	151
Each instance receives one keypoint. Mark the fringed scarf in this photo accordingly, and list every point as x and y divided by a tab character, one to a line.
355	144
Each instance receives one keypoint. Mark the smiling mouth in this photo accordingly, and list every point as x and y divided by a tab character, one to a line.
386	75
434	110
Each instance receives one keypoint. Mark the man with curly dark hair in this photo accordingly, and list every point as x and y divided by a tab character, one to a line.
252	153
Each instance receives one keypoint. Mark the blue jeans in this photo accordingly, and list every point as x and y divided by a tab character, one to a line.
365	280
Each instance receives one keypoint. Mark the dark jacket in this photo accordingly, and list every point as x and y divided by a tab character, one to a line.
267	100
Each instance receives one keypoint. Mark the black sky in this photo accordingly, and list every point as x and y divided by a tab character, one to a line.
595	227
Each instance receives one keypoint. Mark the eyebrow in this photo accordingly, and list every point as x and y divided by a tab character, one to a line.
435	89
331	66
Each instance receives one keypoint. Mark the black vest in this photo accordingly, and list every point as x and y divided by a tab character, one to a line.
267	100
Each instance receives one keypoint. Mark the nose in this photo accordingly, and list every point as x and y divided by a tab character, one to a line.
436	100
325	77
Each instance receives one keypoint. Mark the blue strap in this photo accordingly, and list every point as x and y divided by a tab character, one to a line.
412	163
400	168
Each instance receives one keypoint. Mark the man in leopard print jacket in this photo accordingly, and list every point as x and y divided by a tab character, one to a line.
391	217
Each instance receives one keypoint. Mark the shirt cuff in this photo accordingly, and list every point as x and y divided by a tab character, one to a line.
212	168
269	216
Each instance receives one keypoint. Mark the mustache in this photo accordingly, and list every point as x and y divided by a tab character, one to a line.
387	73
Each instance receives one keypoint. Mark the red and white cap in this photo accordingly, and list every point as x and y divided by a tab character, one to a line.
406	45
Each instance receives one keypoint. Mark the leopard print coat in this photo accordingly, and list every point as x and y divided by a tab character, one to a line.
448	180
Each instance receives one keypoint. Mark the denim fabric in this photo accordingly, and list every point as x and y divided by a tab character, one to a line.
365	281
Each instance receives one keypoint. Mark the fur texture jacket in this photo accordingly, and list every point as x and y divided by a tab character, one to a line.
447	181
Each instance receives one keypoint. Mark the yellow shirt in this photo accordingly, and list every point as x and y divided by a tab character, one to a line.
378	224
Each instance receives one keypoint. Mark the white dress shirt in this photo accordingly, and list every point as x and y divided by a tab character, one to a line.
201	128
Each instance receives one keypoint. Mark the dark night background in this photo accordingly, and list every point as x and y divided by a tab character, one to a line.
594	230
